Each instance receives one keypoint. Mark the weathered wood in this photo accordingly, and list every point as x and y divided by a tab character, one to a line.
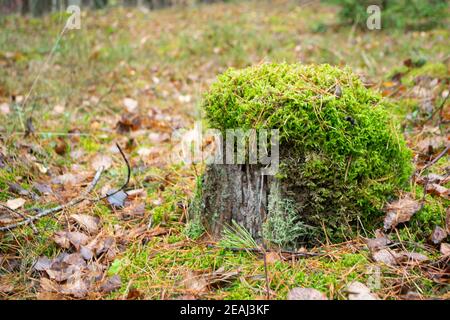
235	192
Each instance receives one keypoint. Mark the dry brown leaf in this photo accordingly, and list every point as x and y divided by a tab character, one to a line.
86	222
400	211
70	178
75	286
48	285
438	190
15	204
42	264
380	242
305	294
386	256
411	257
359	291
102	161
6	288
132	211
438	235
111	284
195	283
431	145
272	257
130	104
445	249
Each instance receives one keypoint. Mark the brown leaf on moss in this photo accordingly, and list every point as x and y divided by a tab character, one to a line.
438	190
438	235
400	211
386	256
86	222
359	291
431	145
305	294
445	249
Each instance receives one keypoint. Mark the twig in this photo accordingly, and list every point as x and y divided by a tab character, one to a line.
75	201
440	108
126	182
47	212
20	215
432	162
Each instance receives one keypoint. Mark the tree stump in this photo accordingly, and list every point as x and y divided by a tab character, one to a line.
341	156
235	192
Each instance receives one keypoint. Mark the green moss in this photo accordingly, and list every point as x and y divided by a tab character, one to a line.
342	156
433	70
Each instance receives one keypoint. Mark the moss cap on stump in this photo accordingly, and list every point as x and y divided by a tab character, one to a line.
341	154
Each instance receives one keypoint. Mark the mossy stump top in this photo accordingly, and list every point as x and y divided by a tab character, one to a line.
341	154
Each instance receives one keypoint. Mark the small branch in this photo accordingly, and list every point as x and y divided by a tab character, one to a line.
432	162
126	182
47	212
440	108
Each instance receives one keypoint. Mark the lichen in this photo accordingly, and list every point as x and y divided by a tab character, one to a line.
342	155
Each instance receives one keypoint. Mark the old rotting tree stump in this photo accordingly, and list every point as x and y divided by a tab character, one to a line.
340	154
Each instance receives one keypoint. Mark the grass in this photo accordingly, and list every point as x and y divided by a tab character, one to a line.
155	58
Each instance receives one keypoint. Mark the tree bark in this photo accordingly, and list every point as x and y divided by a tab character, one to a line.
235	192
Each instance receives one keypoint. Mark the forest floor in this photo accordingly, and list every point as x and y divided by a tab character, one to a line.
134	78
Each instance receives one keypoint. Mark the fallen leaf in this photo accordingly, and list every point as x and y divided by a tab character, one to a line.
359	291
69	179
42	189
65	238
42	264
86	222
431	145
101	161
195	283
400	211
438	235
411	257
75	286
117	199
433	178
134	294
380	242
445	249
6	288
272	257
15	204
130	104
111	284
4	108
385	256
305	294
17	189
438	190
